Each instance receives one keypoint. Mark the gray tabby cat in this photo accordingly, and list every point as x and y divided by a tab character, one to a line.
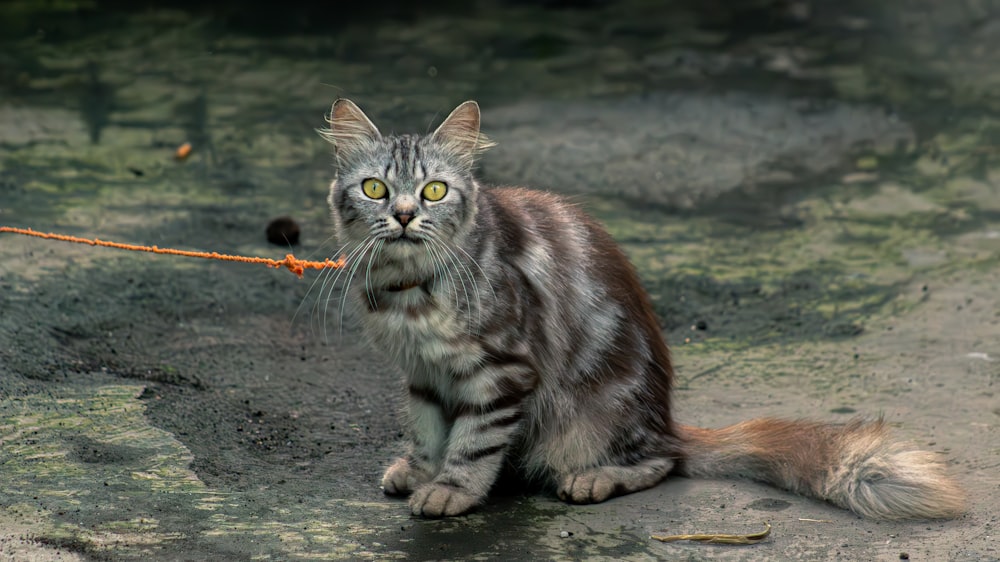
528	341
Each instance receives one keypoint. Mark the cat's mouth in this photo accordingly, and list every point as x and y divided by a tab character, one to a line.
403	237
405	286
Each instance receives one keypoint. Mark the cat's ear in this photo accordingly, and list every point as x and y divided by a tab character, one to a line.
350	129
460	133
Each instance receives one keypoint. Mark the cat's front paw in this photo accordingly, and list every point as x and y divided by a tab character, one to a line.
400	479
442	500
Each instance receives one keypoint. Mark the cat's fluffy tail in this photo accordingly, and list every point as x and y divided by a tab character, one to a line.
854	465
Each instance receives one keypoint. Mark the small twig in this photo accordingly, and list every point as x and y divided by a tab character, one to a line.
718	538
807	520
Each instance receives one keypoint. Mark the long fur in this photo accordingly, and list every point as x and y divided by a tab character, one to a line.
855	465
527	341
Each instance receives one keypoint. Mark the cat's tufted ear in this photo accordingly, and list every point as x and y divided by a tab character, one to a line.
460	133
350	129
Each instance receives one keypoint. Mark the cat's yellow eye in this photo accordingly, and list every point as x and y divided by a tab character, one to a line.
435	191
374	188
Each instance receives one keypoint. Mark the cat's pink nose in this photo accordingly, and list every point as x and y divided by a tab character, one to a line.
404	218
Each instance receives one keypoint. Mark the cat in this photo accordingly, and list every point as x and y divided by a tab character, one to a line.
527	341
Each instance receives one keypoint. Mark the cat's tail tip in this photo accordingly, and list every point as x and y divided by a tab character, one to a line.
880	479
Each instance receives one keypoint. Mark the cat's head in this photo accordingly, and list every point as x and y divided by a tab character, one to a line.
403	192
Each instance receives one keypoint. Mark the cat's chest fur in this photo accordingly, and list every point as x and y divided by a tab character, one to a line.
423	331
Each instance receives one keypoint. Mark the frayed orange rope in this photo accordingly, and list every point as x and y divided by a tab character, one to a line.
291	263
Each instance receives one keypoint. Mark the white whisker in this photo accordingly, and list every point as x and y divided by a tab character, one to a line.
464	273
326	290
463	268
440	262
353	268
323	276
368	274
481	270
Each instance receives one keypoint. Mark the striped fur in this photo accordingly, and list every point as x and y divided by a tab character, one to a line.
527	340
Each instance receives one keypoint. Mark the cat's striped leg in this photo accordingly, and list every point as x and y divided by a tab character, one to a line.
428	433
485	424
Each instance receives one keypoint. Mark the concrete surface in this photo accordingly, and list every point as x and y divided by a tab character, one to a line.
815	184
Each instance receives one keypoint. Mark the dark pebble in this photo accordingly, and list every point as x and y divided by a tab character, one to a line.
283	231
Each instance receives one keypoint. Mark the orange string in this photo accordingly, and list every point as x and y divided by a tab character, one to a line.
290	262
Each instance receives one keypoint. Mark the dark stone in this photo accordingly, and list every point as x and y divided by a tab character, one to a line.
283	231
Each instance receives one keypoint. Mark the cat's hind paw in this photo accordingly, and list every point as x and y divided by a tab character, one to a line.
591	486
442	500
600	483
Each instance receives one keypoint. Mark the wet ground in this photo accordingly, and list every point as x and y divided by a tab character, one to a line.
811	191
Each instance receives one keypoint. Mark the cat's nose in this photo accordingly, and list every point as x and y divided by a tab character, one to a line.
404	218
